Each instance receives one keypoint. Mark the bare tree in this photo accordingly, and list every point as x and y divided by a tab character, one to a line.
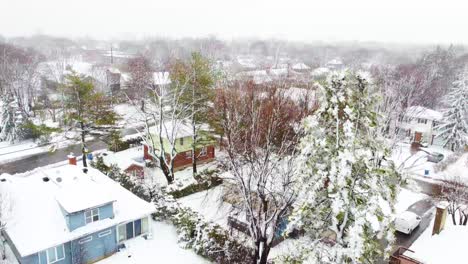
455	192
164	116
260	144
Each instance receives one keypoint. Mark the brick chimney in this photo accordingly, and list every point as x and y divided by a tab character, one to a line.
71	159
439	220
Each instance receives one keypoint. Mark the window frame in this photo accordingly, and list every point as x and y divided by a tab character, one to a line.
188	154
105	233
92	215
85	240
203	152
56	254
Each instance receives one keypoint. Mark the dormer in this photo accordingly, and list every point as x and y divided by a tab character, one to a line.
84	202
88	216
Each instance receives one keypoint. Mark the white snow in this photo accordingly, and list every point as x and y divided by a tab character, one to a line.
125	158
162	248
447	247
209	204
161	78
417	164
300	66
423	112
37	221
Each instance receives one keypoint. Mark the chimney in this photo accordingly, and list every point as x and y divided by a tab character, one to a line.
439	220
71	159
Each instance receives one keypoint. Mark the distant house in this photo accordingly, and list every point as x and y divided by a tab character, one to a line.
335	64
300	67
113	76
258	77
418	123
205	152
129	161
63	215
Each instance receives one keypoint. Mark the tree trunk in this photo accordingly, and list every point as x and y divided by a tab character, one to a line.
264	255
453	219
83	149
166	171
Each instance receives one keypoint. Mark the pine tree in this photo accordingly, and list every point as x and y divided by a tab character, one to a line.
9	127
454	127
345	185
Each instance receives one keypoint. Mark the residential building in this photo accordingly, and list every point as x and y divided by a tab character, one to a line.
70	216
418	124
205	151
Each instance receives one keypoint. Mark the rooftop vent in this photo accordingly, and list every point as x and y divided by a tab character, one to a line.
3	180
58	179
45	179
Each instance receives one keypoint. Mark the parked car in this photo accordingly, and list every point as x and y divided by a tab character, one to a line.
435	157
406	222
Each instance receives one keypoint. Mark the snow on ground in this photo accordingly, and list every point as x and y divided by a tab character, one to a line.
131	116
162	248
209	204
11	152
406	198
417	164
447	247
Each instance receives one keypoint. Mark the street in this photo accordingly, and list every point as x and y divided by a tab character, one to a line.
46	158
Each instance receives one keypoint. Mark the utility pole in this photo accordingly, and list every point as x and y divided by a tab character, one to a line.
112	57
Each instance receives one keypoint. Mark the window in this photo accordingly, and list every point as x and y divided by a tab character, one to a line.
144	225
92	215
422	121
55	254
203	152
85	240
132	229
105	233
188	154
181	141
122	233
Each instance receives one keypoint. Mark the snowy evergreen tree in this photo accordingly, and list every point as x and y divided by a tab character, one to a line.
454	127
347	188
9	125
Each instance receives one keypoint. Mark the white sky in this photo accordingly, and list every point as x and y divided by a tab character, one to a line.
415	21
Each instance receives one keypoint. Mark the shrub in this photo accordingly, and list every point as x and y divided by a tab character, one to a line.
205	238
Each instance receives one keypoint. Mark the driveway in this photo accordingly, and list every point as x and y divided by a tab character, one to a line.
423	209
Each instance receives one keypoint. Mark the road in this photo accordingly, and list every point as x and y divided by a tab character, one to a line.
46	158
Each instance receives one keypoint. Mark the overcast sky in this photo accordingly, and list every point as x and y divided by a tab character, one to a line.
414	21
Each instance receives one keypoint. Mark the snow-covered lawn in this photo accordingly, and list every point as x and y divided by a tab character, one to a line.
209	204
406	198
447	247
162	248
131	116
417	164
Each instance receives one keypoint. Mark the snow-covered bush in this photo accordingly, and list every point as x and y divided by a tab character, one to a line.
205	238
441	166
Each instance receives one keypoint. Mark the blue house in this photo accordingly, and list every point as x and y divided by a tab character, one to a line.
65	216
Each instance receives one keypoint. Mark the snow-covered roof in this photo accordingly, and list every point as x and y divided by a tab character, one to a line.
36	221
161	78
300	66
335	61
259	76
124	159
320	71
423	112
114	70
279	72
176	129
